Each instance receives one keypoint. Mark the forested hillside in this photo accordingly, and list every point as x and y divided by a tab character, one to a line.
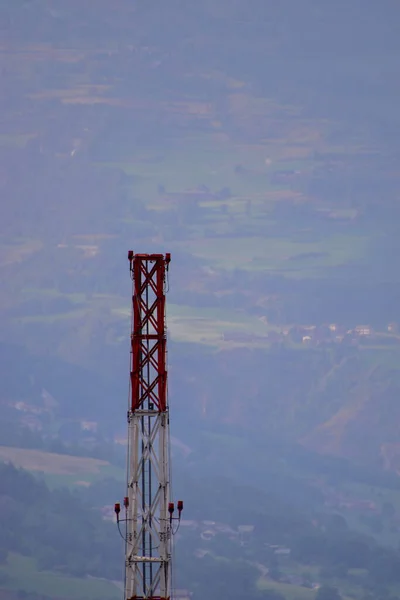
56	528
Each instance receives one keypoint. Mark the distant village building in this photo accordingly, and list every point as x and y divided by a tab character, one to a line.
225	529
188	524
207	535
24	407
201	553
89	426
121	440
89	251
245	528
351	337
245	532
284	176
363	330
280	550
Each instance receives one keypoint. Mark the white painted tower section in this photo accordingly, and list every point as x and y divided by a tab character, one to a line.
148	535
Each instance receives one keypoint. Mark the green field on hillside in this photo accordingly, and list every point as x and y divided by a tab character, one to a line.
289	592
278	254
60	469
21	574
184	164
295	592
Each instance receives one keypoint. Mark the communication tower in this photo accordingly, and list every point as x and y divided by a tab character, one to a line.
148	511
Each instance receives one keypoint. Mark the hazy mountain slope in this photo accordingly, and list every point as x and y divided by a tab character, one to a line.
256	143
337	405
332	403
34	529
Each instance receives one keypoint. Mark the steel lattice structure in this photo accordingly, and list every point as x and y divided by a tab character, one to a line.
148	509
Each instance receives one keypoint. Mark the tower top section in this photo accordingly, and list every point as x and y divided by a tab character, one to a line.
148	334
149	257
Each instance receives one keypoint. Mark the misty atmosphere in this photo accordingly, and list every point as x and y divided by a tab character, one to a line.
259	143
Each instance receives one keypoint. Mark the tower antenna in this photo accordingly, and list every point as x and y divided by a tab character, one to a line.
148	511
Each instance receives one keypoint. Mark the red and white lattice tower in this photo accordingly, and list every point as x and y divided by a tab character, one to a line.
148	507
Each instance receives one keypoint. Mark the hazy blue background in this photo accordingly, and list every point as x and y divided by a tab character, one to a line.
258	142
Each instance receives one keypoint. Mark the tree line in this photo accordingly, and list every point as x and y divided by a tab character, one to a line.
56	527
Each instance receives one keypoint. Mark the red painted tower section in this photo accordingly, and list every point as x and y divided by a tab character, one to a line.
148	340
